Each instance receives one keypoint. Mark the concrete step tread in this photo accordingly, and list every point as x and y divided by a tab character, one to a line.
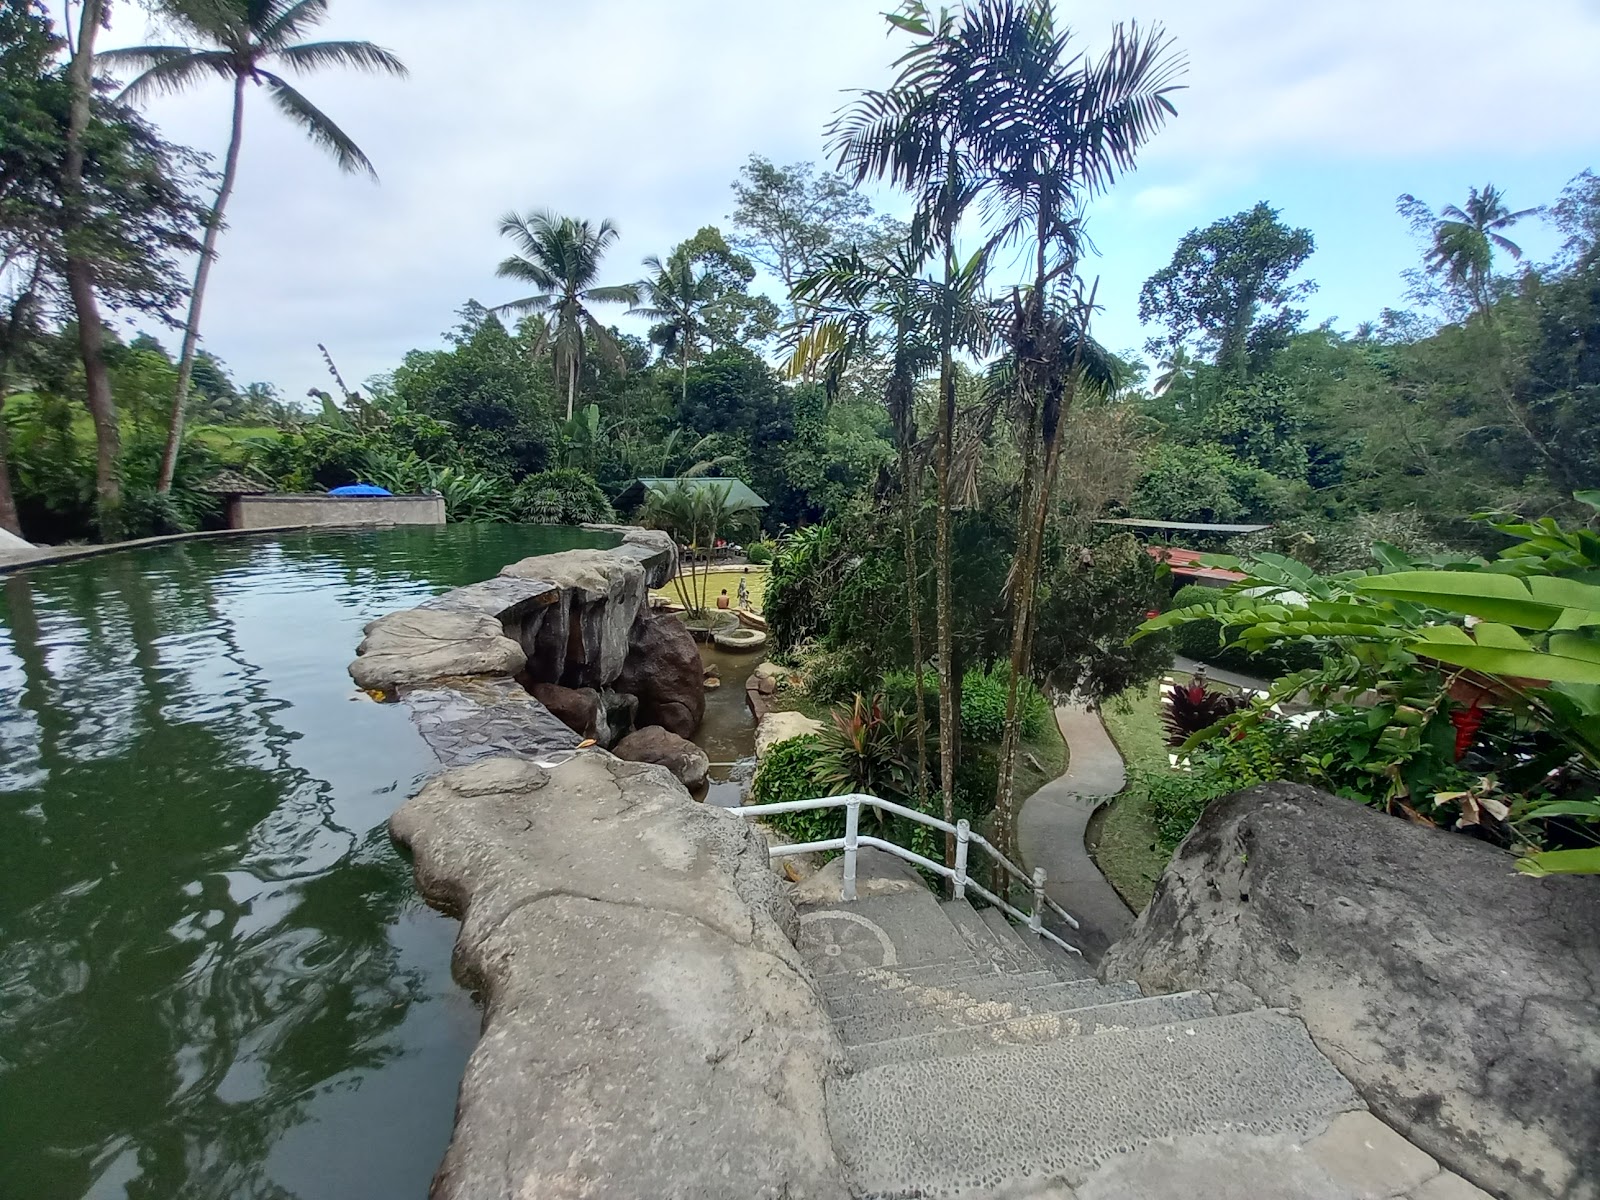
1041	950
974	1123
898	993
1175	1009
936	1015
872	977
975	933
900	929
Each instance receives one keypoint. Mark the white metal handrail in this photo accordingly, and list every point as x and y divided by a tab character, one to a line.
961	882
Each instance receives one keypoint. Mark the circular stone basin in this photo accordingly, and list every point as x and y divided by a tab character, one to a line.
740	639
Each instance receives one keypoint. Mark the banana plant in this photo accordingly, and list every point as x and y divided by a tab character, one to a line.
1532	641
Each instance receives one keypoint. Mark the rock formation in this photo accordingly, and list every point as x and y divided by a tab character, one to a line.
1459	997
420	645
649	1029
664	670
653	744
574	628
579	709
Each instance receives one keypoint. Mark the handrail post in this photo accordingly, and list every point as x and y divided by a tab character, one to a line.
1036	922
852	827
963	840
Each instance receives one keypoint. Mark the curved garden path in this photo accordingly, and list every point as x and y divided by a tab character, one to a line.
1051	826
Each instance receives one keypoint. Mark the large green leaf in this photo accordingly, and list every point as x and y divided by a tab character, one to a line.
1561	862
1536	603
1449	644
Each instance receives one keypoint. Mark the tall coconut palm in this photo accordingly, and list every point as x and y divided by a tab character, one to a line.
1465	239
914	134
561	257
1050	128
675	296
239	42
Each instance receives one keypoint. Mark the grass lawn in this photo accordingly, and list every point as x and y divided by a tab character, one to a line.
716	580
1125	848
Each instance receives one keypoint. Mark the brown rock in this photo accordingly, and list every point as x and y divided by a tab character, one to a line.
654	744
664	670
579	709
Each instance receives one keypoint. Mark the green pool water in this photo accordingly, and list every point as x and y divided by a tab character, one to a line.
216	979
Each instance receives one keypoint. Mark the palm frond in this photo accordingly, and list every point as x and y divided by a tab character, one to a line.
517	267
620	293
361	56
528	304
318	126
167	70
280	22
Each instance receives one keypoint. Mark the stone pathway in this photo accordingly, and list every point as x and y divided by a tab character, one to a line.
1051	826
1220	675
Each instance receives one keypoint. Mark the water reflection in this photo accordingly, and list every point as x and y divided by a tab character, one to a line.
215	978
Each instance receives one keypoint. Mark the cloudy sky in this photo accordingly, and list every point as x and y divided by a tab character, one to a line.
644	110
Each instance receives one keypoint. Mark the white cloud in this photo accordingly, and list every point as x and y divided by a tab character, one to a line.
643	111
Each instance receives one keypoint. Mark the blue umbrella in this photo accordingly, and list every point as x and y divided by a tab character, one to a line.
360	489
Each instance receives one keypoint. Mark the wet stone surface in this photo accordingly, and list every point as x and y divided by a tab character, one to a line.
465	721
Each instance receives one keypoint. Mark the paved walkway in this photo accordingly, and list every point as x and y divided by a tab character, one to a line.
1219	675
1051	826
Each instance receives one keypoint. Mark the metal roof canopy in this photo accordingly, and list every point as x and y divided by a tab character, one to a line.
738	490
1180	526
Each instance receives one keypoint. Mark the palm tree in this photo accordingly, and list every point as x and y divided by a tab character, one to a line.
854	304
1177	369
1465	239
1050	129
80	275
914	135
239	39
561	257
674	296
689	511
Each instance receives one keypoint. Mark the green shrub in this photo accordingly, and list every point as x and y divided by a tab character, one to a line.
831	676
561	497
759	554
786	774
983	705
900	692
1202	640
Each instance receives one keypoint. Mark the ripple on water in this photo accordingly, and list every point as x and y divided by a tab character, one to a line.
216	978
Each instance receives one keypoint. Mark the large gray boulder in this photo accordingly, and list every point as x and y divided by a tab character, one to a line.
665	671
1461	999
649	1029
580	709
582	639
688	763
419	645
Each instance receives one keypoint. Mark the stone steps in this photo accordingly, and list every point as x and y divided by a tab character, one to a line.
874	978
1008	954
1050	956
935	1017
975	1123
934	989
1175	1009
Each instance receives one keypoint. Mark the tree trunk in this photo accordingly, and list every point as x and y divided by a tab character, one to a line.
948	718
908	514
80	283
9	521
197	297
572	385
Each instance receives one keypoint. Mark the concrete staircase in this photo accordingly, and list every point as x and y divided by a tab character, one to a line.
985	1062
